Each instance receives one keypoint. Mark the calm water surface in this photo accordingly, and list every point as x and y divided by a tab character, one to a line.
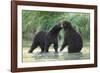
51	56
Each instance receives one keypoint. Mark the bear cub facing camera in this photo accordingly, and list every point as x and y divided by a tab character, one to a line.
72	39
45	39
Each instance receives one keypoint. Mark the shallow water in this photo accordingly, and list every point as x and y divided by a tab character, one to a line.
60	56
51	56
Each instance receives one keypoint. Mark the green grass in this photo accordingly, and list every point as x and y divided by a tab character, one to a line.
27	43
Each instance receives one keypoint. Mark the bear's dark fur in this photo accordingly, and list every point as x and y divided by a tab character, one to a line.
45	39
38	40
72	39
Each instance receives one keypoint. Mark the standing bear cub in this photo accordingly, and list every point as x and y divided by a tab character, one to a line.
72	39
45	39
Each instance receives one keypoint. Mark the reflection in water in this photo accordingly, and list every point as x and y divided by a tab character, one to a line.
51	56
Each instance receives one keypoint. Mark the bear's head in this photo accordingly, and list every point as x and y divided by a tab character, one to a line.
58	26
66	24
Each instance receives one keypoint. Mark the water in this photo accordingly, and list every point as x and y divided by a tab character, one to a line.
52	56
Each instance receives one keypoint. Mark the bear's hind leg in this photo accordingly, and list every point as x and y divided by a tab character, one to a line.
34	45
73	50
